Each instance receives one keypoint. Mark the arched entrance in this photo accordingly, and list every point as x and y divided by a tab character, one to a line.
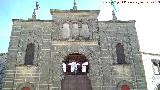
75	64
75	68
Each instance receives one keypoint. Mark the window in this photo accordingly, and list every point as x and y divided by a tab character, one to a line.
66	31
29	57
25	88
158	87
125	87
120	54
156	67
75	32
85	31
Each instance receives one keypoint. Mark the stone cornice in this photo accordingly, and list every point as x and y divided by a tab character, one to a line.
119	21
77	12
30	20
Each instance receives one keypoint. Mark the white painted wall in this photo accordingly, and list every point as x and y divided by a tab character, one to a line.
152	80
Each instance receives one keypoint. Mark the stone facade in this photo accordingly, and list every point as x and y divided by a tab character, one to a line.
74	32
3	61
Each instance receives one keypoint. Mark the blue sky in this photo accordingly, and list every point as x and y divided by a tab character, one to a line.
146	16
22	9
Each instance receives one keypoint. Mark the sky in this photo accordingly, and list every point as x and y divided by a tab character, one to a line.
147	16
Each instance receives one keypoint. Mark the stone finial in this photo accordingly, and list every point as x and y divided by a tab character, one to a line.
34	15
37	5
114	15
74	6
34	12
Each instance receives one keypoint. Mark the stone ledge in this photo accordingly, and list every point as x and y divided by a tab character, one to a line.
75	42
8	89
119	21
30	20
77	12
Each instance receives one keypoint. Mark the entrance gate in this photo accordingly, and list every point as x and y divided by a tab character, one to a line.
76	79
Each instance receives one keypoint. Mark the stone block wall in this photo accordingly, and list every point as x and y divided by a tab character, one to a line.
51	49
3	61
124	32
23	33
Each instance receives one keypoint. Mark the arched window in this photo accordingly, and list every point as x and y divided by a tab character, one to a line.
120	54
125	87
85	31
29	57
75	32
156	66
66	31
25	88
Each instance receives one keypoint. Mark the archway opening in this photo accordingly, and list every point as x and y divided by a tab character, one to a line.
125	87
75	64
25	88
75	68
